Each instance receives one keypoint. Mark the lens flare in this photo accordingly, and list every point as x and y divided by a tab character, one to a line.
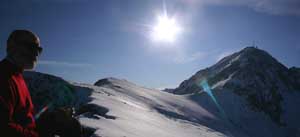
207	89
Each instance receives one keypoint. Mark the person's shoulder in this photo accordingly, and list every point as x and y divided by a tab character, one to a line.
7	84
5	75
4	69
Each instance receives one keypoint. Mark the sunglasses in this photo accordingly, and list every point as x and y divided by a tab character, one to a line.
33	47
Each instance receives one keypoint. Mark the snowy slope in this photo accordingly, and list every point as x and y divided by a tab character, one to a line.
117	108
142	112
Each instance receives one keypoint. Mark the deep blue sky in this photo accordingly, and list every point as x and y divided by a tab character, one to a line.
86	40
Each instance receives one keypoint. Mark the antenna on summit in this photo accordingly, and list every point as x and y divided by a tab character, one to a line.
165	8
254	45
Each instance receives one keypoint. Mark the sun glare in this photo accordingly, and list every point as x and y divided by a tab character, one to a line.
166	29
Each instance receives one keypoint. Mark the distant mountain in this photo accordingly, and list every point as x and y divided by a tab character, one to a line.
252	75
250	67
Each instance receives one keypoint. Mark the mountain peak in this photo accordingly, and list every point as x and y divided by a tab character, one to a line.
111	81
249	56
251	48
247	63
254	75
256	53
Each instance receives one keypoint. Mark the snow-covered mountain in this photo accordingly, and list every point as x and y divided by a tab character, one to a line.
257	92
115	108
248	65
259	97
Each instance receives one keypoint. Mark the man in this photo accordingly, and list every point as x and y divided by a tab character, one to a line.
16	108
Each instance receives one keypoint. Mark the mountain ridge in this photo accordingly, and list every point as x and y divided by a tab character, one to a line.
243	60
258	96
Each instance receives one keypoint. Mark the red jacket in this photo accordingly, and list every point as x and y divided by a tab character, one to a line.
16	108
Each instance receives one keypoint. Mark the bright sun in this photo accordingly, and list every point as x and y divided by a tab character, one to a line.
166	29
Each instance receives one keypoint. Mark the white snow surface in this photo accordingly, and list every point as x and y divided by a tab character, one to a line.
136	111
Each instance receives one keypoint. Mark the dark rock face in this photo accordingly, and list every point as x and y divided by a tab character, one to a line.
108	81
294	74
54	92
46	89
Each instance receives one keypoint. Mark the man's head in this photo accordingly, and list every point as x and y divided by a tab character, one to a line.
23	47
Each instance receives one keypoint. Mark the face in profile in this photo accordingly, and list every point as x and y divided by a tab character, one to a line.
29	52
23	47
